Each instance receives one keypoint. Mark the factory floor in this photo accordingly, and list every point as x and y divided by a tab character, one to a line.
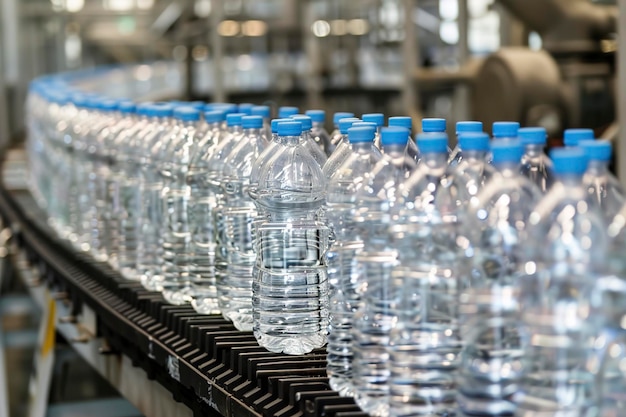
76	390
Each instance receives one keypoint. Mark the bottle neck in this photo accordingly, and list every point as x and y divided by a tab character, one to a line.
235	129
318	125
475	154
507	167
290	140
533	149
361	146
435	158
252	132
569	179
598	168
394	150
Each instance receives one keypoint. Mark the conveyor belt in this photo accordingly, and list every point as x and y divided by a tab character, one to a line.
202	360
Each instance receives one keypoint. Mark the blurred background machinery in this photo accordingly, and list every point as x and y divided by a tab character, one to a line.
546	62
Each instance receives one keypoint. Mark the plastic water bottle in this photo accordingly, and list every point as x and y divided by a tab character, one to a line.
600	182
151	146
505	130
425	343
566	249
407	123
474	170
336	137
265	113
456	155
496	233
287	111
318	132
177	227
535	163
342	150
374	317
202	206
571	137
290	292
342	273
235	288
309	141
379	119
216	163
609	302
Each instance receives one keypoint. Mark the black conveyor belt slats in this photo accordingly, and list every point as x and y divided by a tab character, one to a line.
202	360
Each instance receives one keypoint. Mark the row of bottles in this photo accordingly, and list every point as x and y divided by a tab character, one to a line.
485	280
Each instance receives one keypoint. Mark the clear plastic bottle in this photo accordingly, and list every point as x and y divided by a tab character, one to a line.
318	132
566	249
374	317
407	123
571	137
456	155
535	163
341	257
505	130
265	113
342	149
150	145
474	170
290	292
379	120
235	289
336	137
310	143
496	233
601	184
287	111
127	197
202	206
215	160
177	227
425	343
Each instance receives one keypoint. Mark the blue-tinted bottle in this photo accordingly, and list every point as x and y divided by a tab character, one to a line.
456	155
535	163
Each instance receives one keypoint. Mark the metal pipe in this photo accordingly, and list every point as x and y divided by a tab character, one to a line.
217	51
621	93
410	53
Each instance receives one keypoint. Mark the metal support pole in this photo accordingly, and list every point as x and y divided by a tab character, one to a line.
9	62
411	54
621	92
312	50
461	92
217	47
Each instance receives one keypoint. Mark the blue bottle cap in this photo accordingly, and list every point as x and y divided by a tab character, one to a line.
377	118
346	123
341	115
292	128
364	123
394	135
274	123
361	134
505	129
160	110
197	104
569	160
435	142
214	116
252	122
597	150
126	107
533	135
245	108
318	116
143	109
187	113
108	105
507	150
468	127
225	107
571	137
286	111
234	119
306	121
263	111
474	141
433	125
402	121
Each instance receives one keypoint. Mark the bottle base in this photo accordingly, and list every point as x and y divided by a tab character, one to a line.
343	386
177	296
290	345
242	321
205	305
373	405
152	283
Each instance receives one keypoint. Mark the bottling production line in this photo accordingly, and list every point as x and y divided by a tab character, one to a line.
167	360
